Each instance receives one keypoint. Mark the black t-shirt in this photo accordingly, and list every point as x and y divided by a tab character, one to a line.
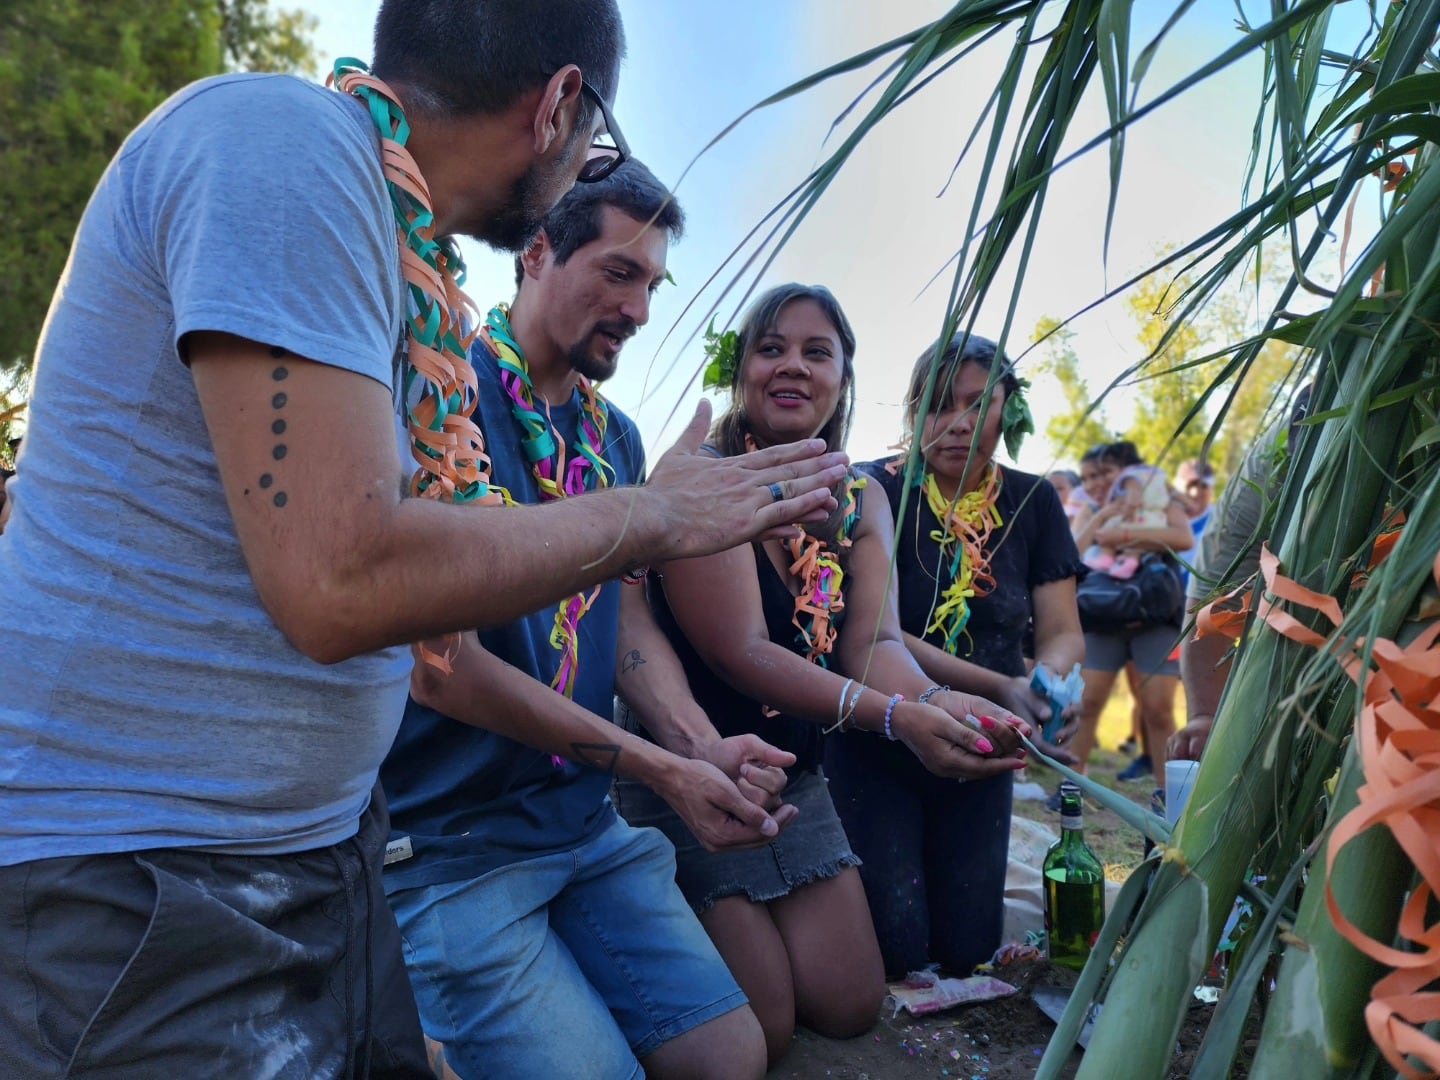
1032	546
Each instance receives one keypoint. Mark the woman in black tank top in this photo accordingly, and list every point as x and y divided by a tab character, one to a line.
788	639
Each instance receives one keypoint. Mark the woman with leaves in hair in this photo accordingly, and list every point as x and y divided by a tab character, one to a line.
789	639
982	552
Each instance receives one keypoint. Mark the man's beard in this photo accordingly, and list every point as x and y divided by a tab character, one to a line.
599	368
516	225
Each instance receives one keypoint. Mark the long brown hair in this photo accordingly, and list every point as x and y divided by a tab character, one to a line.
728	432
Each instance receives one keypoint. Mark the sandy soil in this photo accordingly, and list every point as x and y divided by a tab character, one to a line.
995	1040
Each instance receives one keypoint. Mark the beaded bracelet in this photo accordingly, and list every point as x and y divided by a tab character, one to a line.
889	713
636	575
928	694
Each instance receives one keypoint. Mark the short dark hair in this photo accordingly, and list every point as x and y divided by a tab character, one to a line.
729	431
1122	453
462	57
963	349
1095	453
631	189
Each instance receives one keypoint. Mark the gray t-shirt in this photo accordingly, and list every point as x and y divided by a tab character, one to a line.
1234	530
146	698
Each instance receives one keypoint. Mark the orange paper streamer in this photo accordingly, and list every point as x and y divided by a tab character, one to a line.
1398	733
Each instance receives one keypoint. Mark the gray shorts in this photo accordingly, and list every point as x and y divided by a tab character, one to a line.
1151	647
180	963
811	848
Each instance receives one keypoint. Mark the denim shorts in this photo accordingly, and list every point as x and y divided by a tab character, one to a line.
574	963
811	848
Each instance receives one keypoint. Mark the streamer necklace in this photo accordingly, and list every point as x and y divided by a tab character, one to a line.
440	385
586	470
965	526
816	565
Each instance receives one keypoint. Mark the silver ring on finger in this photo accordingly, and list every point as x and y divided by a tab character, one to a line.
777	493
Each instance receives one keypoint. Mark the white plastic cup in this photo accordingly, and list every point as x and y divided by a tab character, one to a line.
1179	779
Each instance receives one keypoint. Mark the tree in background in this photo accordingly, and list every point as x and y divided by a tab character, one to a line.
75	78
1078	427
1180	369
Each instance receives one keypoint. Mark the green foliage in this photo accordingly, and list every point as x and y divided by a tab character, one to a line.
1081	424
1175	385
75	78
255	38
721	357
1181	366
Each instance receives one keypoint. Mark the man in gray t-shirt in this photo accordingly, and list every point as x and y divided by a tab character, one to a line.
208	577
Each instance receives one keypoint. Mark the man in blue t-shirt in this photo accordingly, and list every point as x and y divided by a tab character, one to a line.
526	904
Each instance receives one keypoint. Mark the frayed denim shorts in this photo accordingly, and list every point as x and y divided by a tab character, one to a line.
811	848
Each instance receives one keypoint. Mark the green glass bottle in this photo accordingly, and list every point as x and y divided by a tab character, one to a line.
1074	887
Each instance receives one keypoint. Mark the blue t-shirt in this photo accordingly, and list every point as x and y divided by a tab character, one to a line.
147	699
468	800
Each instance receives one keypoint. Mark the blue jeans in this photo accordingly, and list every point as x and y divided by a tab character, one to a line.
574	963
934	852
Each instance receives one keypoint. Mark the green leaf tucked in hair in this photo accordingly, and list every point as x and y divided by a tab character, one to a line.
1015	420
721	352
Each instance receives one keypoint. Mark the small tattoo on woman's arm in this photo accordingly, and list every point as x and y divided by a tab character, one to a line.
632	660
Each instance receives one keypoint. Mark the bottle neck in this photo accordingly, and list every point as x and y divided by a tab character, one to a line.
1071	825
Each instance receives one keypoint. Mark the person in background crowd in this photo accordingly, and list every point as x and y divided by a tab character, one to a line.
1144	497
1085	497
1228	556
1195	480
1148	646
1064	481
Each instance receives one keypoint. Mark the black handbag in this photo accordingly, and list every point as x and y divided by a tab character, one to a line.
1153	595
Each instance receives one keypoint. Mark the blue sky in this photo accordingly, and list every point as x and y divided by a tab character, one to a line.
881	233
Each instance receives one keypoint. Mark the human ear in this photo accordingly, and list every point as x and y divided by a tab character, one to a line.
532	259
558	110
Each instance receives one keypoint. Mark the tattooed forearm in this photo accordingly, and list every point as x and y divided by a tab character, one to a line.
632	660
602	756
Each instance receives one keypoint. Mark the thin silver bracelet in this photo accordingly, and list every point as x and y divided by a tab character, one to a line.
850	709
924	698
840	714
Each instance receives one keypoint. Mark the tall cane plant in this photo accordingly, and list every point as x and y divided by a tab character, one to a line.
1283	765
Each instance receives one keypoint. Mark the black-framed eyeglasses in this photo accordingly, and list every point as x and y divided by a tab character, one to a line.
609	150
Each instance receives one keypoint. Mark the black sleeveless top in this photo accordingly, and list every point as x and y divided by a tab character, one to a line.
729	710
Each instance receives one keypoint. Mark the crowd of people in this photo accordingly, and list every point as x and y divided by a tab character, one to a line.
312	772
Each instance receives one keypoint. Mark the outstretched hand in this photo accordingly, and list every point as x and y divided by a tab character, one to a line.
707	504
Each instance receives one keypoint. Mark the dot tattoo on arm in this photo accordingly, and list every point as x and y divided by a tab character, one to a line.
278	426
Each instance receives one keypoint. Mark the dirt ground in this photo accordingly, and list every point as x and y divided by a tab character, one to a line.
995	1040
1003	1039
